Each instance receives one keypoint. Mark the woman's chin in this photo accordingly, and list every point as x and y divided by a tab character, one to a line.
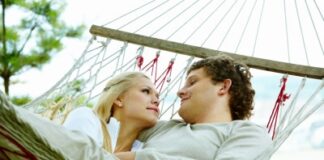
151	122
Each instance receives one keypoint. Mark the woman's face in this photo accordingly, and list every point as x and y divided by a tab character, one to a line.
140	103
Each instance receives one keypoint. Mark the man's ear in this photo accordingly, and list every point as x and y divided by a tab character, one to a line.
226	85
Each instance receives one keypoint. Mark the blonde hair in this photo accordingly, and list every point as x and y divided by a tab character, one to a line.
113	89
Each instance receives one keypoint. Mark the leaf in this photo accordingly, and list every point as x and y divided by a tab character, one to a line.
11	34
75	32
20	101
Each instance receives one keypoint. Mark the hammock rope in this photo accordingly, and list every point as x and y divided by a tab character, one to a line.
301	32
258	29
245	26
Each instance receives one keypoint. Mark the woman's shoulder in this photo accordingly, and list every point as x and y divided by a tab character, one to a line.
82	112
84	121
81	115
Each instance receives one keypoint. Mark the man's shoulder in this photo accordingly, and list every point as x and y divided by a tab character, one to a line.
245	127
169	123
161	127
237	124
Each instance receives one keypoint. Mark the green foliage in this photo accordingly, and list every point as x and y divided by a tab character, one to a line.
32	42
60	104
20	101
71	94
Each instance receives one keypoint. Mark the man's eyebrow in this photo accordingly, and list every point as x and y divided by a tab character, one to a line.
191	77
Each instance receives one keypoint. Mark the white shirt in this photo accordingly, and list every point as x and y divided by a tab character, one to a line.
84	120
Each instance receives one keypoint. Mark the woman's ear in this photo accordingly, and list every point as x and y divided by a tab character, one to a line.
118	102
226	85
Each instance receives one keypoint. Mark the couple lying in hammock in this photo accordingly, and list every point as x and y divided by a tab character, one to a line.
216	101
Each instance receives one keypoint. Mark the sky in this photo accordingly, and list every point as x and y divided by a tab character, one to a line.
36	82
101	11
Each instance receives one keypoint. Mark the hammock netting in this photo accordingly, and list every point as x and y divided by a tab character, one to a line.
162	39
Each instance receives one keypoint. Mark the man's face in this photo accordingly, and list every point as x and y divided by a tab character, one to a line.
197	96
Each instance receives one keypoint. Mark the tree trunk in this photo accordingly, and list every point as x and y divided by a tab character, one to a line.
4	27
6	81
5	75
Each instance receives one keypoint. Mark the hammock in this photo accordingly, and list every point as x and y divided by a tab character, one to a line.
160	38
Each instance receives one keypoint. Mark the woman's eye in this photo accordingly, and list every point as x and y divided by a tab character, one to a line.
147	91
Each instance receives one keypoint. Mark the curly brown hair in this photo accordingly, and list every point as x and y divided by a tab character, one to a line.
223	67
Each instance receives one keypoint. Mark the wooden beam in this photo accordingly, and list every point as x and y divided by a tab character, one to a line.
190	50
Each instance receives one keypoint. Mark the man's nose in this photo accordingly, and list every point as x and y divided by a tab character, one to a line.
181	92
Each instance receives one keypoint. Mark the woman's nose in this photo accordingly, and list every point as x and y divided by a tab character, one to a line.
156	100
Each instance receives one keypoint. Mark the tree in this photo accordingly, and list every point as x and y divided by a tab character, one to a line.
31	42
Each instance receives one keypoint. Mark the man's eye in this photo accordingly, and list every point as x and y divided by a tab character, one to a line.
192	82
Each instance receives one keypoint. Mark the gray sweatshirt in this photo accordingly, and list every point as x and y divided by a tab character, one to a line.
176	140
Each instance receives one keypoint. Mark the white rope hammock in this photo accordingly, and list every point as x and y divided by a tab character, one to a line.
166	28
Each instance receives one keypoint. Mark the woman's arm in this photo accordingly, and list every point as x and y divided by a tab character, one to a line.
70	144
148	154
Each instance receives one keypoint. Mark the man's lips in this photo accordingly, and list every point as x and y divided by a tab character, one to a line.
183	99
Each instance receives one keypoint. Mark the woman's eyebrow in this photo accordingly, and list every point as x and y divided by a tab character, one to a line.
154	90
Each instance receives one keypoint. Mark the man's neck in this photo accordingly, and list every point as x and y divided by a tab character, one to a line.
216	113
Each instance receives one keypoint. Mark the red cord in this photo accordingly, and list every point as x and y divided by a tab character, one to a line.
165	74
282	97
153	65
139	61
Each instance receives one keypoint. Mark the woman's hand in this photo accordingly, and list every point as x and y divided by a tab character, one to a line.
125	155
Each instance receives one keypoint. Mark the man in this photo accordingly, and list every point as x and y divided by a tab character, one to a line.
216	100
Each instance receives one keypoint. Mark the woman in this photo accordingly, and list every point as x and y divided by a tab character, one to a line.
127	105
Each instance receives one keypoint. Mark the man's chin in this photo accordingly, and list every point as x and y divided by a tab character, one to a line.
182	112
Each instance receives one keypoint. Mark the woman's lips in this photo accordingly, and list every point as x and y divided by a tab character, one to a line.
156	109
